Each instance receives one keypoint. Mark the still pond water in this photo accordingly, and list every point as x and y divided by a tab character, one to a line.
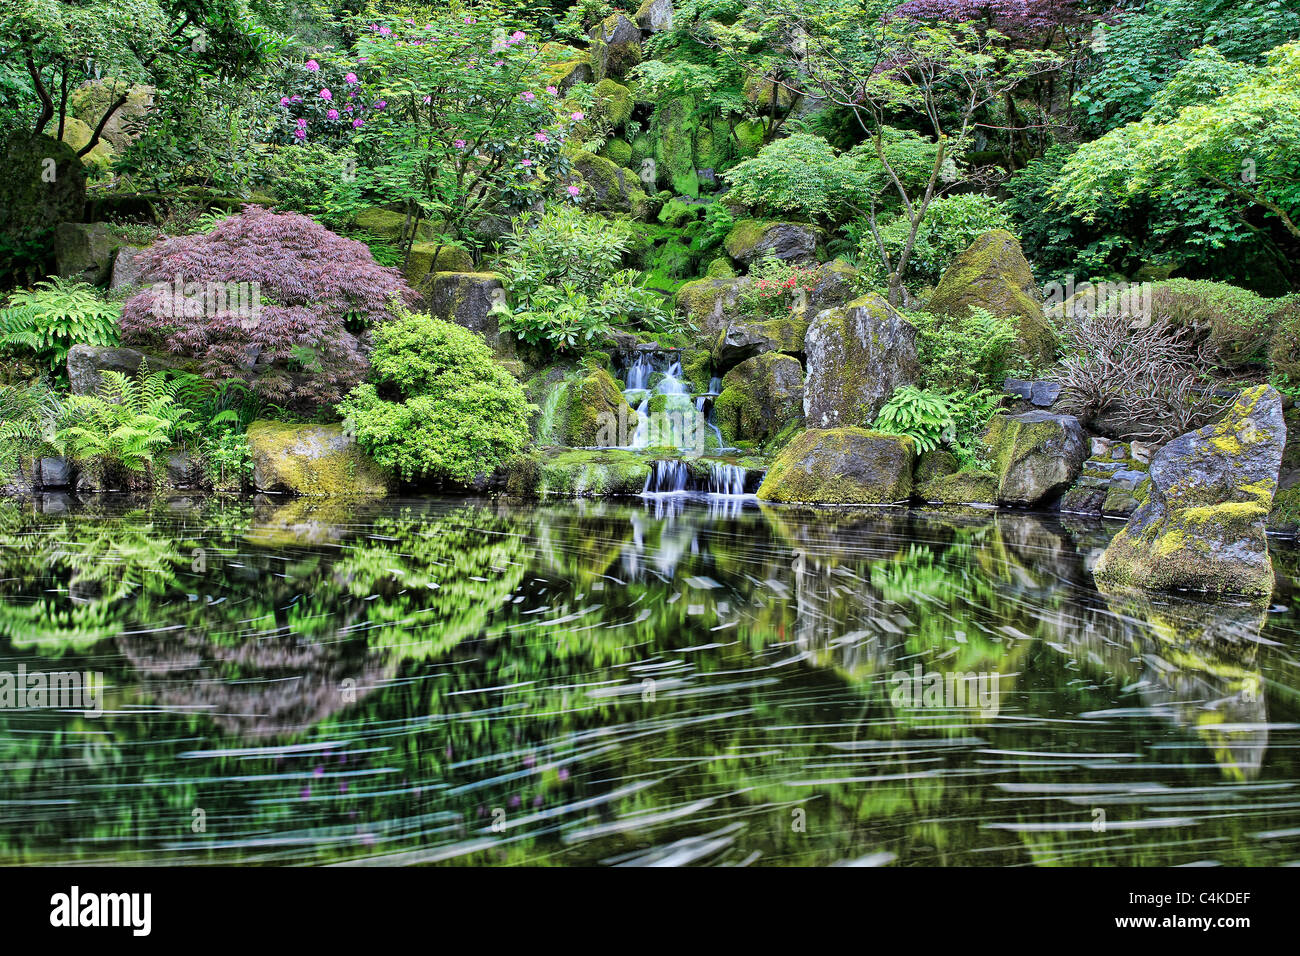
665	681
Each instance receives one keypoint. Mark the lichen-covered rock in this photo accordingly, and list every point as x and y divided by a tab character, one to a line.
761	91
1037	455
84	251
609	187
836	286
655	16
709	304
752	239
312	460
566	67
857	355
993	274
1202	528
761	397
127	271
742	340
585	408
935	463
577	473
968	486
615	46
90	101
841	466
469	299
388	224
78	135
43	185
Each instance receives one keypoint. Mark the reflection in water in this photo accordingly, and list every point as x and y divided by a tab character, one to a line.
676	680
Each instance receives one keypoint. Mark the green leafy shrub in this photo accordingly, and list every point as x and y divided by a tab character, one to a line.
29	414
126	427
54	316
970	352
438	405
311	179
951	224
777	287
801	175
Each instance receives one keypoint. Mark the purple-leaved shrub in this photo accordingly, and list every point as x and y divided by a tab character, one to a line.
312	285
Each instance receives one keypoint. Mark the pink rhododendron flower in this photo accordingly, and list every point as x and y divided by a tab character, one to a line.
302	123
350	79
312	66
526	162
518	36
385	31
577	117
574	190
356	123
300	134
541	137
332	114
553	91
529	97
284	101
325	94
381	104
458	143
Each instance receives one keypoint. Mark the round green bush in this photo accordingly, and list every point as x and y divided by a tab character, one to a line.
437	404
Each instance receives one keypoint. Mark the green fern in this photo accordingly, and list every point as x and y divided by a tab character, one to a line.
928	418
128	425
54	316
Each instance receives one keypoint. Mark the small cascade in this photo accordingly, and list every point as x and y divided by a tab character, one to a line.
667	477
727	479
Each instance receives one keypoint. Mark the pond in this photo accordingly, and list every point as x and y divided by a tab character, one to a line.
671	680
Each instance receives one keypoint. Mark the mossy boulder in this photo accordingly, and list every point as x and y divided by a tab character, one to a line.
1202	527
749	136
857	355
751	239
760	398
720	268
765	93
427	259
78	134
675	122
935	463
595	411
994	274
615	47
709	304
44	184
609	187
566	67
841	466
613	103
84	251
90	101
312	460
742	340
1037	455
836	285
969	486
470	299
390	225
577	473
617	151
127	271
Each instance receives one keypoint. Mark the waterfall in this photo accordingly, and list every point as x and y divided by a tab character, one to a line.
667	477
725	479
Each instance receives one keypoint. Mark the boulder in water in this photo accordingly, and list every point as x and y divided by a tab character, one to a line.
841	466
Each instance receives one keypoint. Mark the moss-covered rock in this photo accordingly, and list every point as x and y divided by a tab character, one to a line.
429	258
77	134
749	136
742	340
44	184
90	101
566	66
390	225
577	473
935	463
1202	527
761	92
617	151
613	103
709	304
595	412
313	460
841	466
720	268
615	47
655	16
675	122
469	299
609	187
969	486
1037	455
760	397
857	355
994	274
751	239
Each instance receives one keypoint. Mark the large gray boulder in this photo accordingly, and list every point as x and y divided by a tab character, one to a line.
655	16
750	240
615	47
84	251
1202	527
841	466
87	362
44	184
857	355
469	299
128	270
1037	455
742	340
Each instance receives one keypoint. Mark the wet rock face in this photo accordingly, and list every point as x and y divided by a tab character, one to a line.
841	466
857	355
1037	455
1203	527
